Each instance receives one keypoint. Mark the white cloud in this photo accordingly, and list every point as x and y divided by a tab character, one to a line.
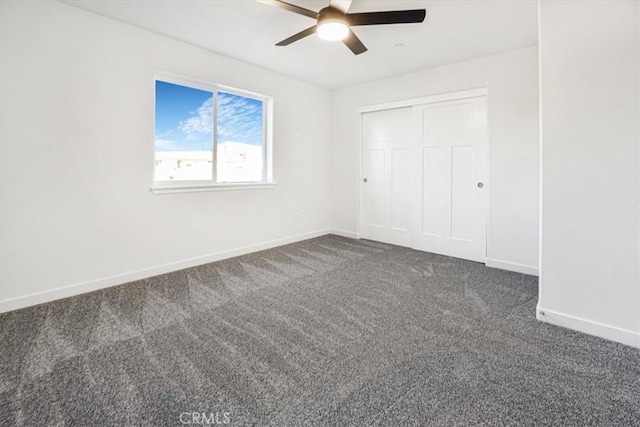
167	145
200	123
165	135
238	118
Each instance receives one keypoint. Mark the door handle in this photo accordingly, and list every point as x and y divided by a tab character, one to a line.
480	185
365	180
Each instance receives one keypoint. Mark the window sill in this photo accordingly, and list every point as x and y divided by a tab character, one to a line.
196	187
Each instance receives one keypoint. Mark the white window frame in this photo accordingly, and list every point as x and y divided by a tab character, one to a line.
166	187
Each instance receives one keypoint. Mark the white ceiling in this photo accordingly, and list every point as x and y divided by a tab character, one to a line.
454	30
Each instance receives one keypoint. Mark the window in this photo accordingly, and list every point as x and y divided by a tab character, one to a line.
208	136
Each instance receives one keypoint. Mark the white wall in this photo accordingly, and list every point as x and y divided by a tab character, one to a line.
77	158
511	77
590	102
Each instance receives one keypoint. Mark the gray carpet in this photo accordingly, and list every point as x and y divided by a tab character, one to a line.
329	331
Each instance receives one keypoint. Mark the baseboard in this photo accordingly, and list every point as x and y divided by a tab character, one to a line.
344	233
590	327
94	285
513	266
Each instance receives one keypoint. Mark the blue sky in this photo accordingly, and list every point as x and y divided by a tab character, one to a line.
184	119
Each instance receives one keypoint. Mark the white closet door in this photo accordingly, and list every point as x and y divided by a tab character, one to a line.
386	192
449	178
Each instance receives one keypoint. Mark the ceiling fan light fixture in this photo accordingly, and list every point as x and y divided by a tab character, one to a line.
334	22
333	30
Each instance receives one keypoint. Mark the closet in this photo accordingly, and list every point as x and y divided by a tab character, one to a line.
424	166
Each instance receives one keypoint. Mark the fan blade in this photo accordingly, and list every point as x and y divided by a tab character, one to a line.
296	37
342	5
290	7
392	17
354	43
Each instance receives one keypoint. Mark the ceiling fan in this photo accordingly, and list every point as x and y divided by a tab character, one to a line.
334	22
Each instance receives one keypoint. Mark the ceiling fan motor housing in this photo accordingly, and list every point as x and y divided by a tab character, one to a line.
331	14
